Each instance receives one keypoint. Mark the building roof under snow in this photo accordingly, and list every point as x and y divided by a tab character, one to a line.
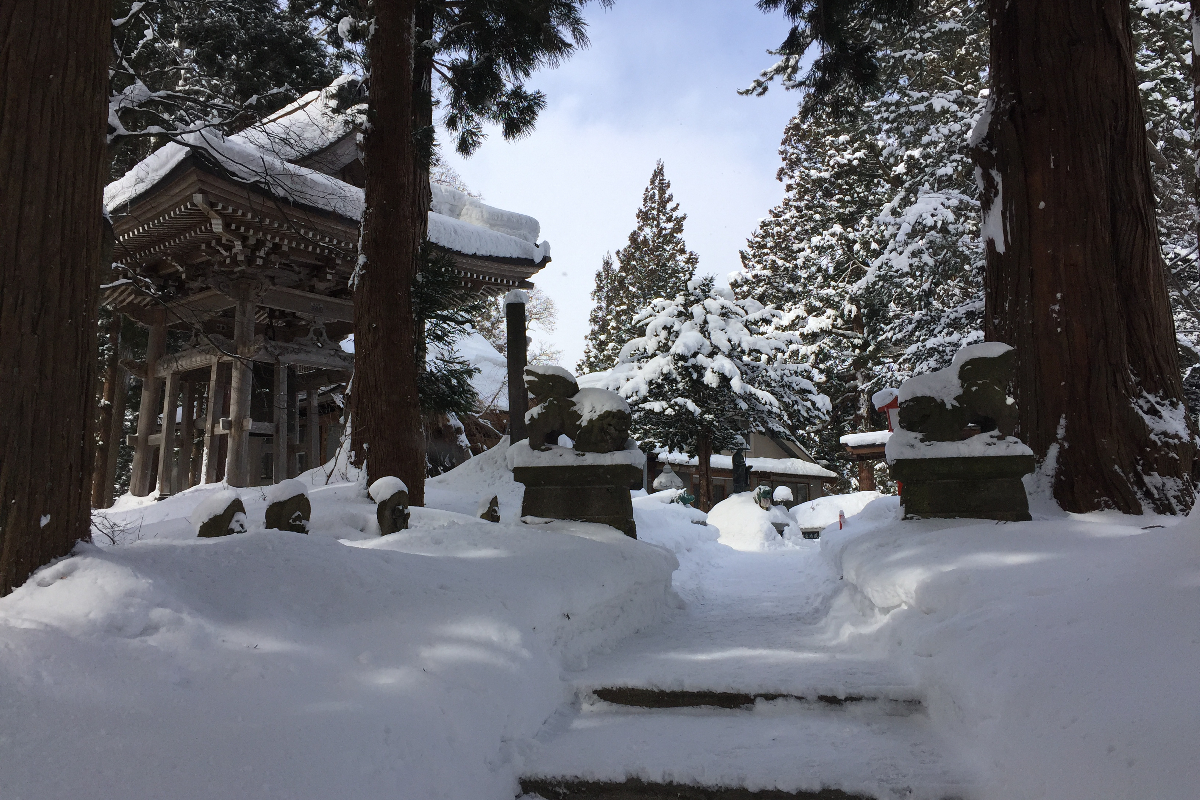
292	155
777	466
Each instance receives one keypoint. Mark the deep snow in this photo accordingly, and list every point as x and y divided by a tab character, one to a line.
1054	659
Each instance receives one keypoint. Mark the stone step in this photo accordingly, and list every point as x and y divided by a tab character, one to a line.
769	751
641	697
637	789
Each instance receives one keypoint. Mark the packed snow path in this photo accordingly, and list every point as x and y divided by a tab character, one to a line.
766	684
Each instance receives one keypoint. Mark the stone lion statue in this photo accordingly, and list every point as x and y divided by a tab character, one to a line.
597	420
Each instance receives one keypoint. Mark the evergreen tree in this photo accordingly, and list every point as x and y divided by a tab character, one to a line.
473	58
873	255
1163	34
1068	208
179	66
655	263
708	370
605	298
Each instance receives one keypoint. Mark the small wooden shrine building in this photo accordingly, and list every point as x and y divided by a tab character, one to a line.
245	246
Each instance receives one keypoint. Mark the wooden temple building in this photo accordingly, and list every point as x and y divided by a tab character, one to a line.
237	255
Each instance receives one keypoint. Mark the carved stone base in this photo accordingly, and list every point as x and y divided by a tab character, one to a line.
971	487
581	492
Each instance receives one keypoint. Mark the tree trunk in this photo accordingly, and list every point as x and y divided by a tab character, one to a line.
1196	115
1075	279
704	471
387	434
114	382
53	79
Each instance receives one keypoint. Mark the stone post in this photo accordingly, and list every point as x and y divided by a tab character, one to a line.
279	409
518	343
166	441
237	466
139	482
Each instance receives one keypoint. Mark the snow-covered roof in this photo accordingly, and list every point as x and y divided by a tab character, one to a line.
307	126
244	162
492	379
777	466
456	222
866	439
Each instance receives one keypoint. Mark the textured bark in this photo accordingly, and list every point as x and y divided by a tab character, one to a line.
704	472
387	434
53	79
114	383
1076	282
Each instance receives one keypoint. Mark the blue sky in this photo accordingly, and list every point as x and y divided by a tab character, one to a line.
660	80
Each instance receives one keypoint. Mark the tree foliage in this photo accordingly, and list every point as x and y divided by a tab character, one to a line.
181	66
482	52
874	256
709	368
654	264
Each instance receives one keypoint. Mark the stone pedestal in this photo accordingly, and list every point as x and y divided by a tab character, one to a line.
581	492
983	487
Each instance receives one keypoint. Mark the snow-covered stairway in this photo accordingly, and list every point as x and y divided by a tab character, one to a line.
758	690
730	745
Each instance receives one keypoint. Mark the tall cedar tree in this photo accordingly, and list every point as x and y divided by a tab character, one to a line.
606	295
1075	276
482	52
387	433
53	77
654	264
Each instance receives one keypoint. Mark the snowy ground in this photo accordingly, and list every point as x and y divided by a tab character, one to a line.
1053	659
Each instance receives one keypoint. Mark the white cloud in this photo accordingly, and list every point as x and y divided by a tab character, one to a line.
659	81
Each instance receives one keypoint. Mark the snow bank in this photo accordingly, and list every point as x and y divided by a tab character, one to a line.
743	524
1062	652
480	478
333	665
823	512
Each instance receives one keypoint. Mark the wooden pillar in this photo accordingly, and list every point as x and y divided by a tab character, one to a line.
237	467
116	436
518	398
166	442
112	375
293	416
866	476
279	408
143	461
313	428
214	404
187	433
